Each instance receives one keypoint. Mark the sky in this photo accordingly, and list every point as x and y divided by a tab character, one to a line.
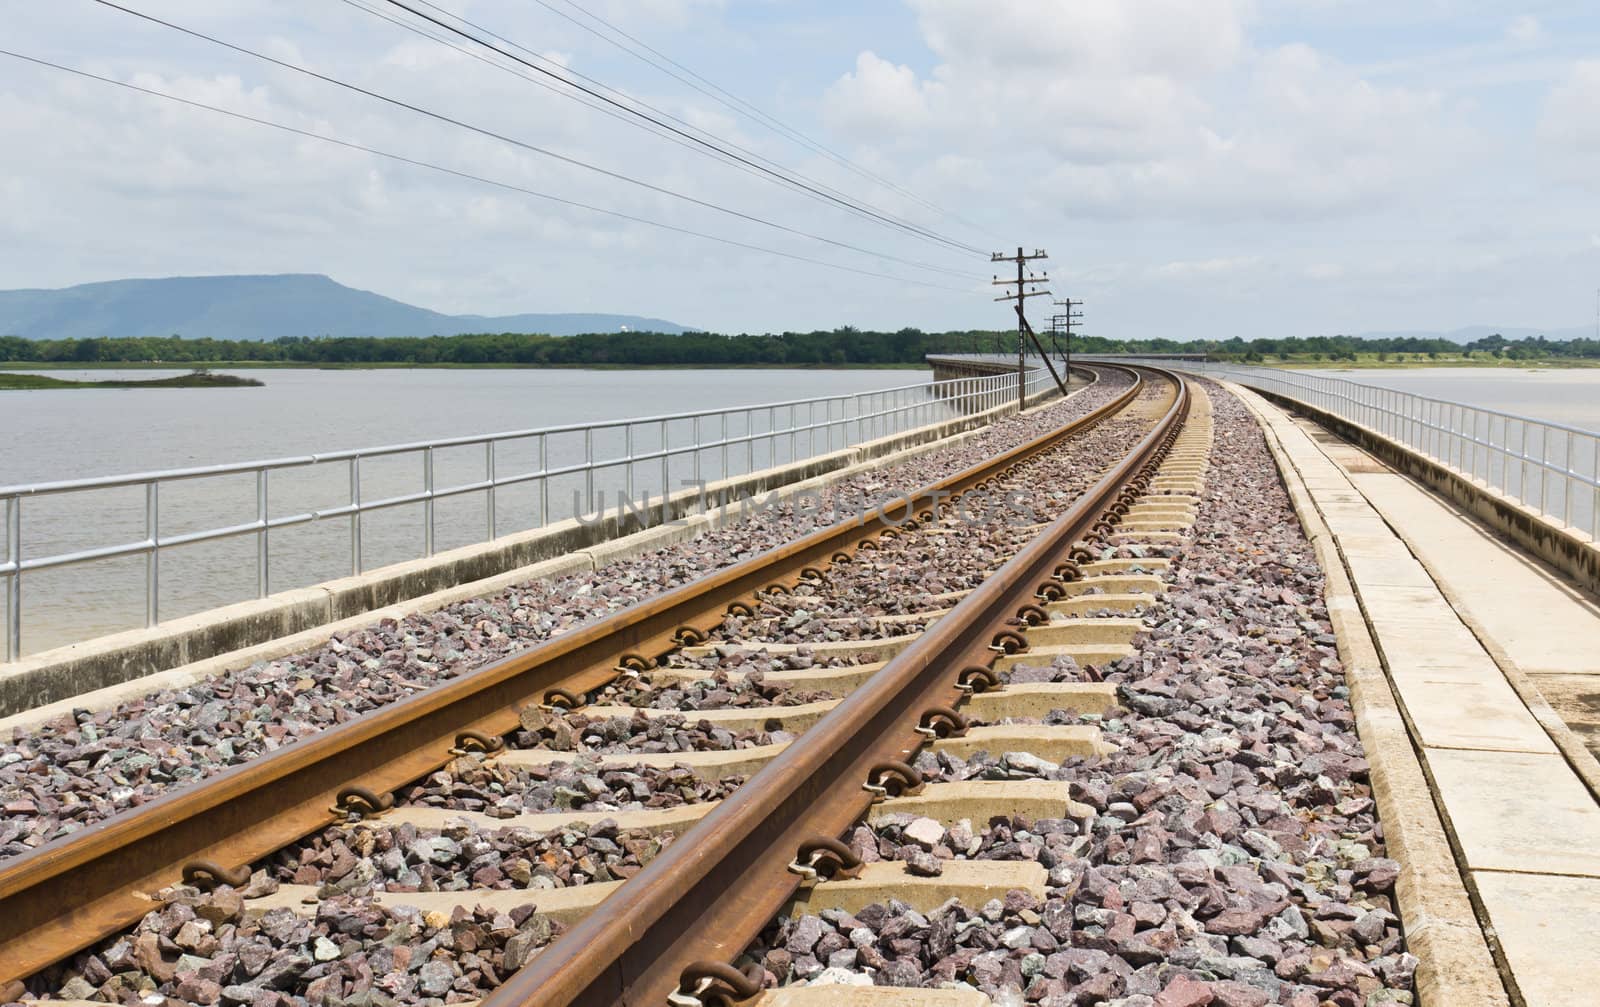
1194	168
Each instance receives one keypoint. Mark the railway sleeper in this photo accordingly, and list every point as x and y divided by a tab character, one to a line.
879	649
1113	583
1052	742
947	803
839	681
1010	702
1119	567
1144	526
1125	603
1083	631
868	996
1146	537
972	881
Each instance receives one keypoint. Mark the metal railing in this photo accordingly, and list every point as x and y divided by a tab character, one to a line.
519	468
1551	468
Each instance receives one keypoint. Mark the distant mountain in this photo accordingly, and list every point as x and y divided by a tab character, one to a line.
262	308
1475	332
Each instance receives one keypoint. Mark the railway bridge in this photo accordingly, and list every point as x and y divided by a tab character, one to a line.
1186	684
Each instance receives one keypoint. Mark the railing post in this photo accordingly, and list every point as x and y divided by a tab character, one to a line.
627	454
697	448
666	475
1488	444
749	441
544	480
355	515
1544	469
1594	506
724	473
263	546
1522	484
14	581
152	559
1457	425
489	473
427	503
588	470
1566	515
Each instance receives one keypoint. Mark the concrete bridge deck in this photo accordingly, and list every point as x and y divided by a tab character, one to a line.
1495	662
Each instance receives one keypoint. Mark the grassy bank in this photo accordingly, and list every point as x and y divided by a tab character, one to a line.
38	382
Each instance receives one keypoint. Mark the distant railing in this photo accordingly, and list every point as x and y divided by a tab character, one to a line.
1550	467
699	447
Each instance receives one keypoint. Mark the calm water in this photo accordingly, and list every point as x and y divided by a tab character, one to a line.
79	433
1564	396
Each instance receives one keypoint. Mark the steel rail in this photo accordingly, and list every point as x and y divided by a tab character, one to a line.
65	895
708	895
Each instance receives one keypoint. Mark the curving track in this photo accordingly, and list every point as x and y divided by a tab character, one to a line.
705	898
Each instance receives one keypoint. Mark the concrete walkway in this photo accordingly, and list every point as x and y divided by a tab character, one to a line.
1461	621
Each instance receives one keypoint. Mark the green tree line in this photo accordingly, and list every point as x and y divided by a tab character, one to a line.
844	346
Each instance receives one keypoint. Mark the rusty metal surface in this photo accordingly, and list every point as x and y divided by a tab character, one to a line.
69	893
709	894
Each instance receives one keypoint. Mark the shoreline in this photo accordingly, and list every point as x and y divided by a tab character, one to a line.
298	365
11	382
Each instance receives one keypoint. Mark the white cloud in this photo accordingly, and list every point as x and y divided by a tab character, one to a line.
1569	127
1179	38
1525	30
878	100
1132	129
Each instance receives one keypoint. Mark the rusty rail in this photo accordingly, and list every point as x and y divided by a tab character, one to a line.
707	896
69	893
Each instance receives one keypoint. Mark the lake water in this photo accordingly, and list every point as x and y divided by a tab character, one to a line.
1570	396
80	433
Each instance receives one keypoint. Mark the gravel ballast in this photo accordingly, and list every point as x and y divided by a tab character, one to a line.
1235	816
1234	857
71	772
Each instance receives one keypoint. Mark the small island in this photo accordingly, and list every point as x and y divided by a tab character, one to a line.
194	379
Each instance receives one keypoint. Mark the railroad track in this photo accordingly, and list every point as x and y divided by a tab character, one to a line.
927	671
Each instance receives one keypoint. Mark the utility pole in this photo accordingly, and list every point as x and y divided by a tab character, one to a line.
1072	315
1023	282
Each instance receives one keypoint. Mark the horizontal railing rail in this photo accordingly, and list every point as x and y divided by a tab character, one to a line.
706	445
1552	468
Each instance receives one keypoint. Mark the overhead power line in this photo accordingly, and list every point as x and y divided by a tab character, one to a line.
661	61
582	98
784	176
501	137
424	32
431	166
603	110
